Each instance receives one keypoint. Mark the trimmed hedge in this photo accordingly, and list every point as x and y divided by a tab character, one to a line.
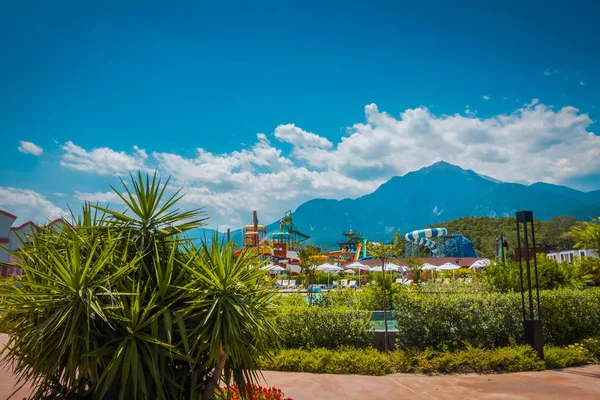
371	362
449	321
331	328
343	361
472	359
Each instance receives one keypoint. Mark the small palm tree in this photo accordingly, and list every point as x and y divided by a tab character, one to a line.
122	304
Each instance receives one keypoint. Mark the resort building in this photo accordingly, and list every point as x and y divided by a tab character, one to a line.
569	255
12	238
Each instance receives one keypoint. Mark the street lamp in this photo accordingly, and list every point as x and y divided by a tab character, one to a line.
532	325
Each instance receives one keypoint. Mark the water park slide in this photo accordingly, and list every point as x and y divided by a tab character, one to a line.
358	249
422	237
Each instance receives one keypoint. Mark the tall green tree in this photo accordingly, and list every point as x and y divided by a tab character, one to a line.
384	252
587	235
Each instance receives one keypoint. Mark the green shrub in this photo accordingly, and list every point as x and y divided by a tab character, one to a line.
290	300
451	320
341	297
312	327
448	321
343	361
472	359
573	355
370	296
592	345
570	315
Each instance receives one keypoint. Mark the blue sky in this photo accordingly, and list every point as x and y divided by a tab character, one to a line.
88	84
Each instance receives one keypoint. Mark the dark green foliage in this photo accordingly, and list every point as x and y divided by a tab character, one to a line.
450	321
346	360
311	327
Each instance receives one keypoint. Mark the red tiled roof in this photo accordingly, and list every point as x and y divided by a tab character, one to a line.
9	215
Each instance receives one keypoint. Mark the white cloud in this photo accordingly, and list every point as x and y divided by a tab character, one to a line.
30	148
29	205
99	197
582	83
298	137
486	97
102	160
58	194
533	143
550	71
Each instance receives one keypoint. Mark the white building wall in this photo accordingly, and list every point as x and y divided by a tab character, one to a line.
570	255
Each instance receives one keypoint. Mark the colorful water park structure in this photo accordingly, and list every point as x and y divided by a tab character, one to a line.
421	242
280	247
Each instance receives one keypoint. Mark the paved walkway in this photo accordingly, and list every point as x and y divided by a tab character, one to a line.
571	383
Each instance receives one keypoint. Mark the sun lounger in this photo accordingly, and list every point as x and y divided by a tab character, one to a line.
399	280
344	282
284	283
292	284
352	284
278	283
335	284
408	282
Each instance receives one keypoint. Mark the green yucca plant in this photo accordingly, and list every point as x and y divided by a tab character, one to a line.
122	305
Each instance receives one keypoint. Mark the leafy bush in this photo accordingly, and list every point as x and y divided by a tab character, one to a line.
551	275
472	359
371	362
571	356
343	361
450	321
311	327
447	322
370	296
592	346
341	297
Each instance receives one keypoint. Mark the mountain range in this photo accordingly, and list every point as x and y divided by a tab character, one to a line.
434	194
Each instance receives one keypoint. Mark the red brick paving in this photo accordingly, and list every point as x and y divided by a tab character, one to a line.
572	383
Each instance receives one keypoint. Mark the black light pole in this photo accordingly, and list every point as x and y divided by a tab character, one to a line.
532	325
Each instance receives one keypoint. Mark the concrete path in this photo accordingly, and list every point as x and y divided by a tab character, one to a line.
571	383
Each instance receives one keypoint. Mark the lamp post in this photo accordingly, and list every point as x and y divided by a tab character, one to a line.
532	325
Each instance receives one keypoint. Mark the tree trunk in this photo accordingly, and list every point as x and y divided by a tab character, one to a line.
385	333
213	383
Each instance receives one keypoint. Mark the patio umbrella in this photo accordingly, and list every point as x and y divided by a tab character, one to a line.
349	271
329	268
273	269
429	267
484	262
449	267
359	266
393	267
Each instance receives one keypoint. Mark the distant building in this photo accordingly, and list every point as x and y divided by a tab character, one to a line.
569	255
13	238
